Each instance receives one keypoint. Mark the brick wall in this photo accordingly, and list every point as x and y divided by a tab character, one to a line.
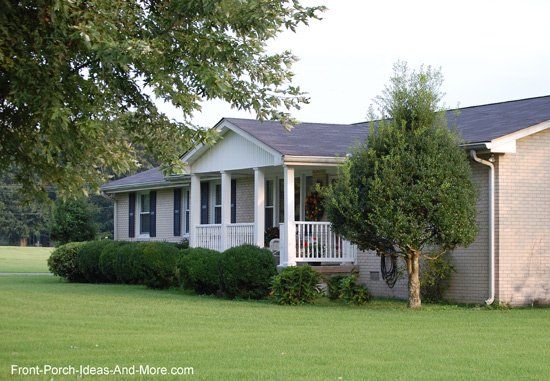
523	215
245	199
469	284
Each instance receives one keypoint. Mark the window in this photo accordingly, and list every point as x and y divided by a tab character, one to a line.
187	212
269	205
144	214
218	204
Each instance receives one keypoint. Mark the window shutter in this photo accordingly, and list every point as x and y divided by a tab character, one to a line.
177	212
131	214
233	201
153	213
204	202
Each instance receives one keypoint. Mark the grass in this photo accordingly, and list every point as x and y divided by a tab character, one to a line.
44	320
15	259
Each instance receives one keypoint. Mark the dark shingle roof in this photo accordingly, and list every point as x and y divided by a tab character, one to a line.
153	175
305	139
476	124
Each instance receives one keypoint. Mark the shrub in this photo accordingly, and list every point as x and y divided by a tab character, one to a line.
353	293
246	271
88	259
158	264
333	286
109	262
183	244
296	285
434	278
199	270
63	262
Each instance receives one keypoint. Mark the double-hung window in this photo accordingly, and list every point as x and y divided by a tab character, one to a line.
144	214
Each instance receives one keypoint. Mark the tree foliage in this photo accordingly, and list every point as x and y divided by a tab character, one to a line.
78	80
21	218
407	189
72	221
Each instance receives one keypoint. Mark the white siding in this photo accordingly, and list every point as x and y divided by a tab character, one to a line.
233	152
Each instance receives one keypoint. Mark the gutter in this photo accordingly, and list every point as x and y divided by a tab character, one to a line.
312	160
491	166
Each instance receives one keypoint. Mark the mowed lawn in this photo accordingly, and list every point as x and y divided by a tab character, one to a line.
44	320
15	259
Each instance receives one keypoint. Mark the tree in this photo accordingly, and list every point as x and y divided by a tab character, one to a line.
78	80
72	221
21	219
407	190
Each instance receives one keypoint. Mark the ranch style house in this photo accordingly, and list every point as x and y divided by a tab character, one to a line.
258	177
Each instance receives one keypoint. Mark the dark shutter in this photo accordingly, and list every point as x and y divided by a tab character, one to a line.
131	214
153	213
204	202
233	201
177	212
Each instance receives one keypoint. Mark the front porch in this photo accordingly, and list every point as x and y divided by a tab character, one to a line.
280	195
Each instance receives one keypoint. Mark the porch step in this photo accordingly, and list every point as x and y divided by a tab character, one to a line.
334	270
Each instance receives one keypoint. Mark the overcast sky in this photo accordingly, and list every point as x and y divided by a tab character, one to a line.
489	51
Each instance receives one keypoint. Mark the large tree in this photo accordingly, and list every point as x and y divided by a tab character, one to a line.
77	79
407	190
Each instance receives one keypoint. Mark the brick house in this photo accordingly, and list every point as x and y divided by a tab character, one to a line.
259	176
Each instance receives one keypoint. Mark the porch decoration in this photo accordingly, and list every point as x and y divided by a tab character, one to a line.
314	207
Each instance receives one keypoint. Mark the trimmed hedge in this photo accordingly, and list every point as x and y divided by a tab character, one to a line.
63	261
157	266
246	271
296	285
88	259
199	270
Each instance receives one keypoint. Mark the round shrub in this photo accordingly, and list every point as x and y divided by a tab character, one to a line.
246	271
296	285
199	270
63	261
88	259
157	263
110	261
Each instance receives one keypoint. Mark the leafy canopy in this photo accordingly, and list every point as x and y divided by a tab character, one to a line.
78	80
408	187
72	221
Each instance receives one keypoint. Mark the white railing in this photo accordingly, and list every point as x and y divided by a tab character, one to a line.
240	234
316	242
209	236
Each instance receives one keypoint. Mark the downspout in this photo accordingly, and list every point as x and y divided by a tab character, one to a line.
491	166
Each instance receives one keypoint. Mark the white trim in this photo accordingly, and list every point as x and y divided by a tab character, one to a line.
223	127
259	207
325	161
115	219
507	143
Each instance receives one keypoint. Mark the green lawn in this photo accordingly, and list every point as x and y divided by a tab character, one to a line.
44	320
15	259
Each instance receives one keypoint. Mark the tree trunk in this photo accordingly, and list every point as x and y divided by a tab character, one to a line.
413	270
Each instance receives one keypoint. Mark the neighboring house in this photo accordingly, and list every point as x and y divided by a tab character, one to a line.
258	175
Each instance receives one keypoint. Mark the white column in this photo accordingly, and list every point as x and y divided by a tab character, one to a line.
226	208
259	207
289	253
195	208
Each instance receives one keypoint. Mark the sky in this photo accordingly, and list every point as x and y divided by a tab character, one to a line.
488	51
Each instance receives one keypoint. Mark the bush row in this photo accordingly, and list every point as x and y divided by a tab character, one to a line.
241	272
150	263
244	271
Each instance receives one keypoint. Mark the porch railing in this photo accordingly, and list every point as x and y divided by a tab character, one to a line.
209	236
316	242
240	234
